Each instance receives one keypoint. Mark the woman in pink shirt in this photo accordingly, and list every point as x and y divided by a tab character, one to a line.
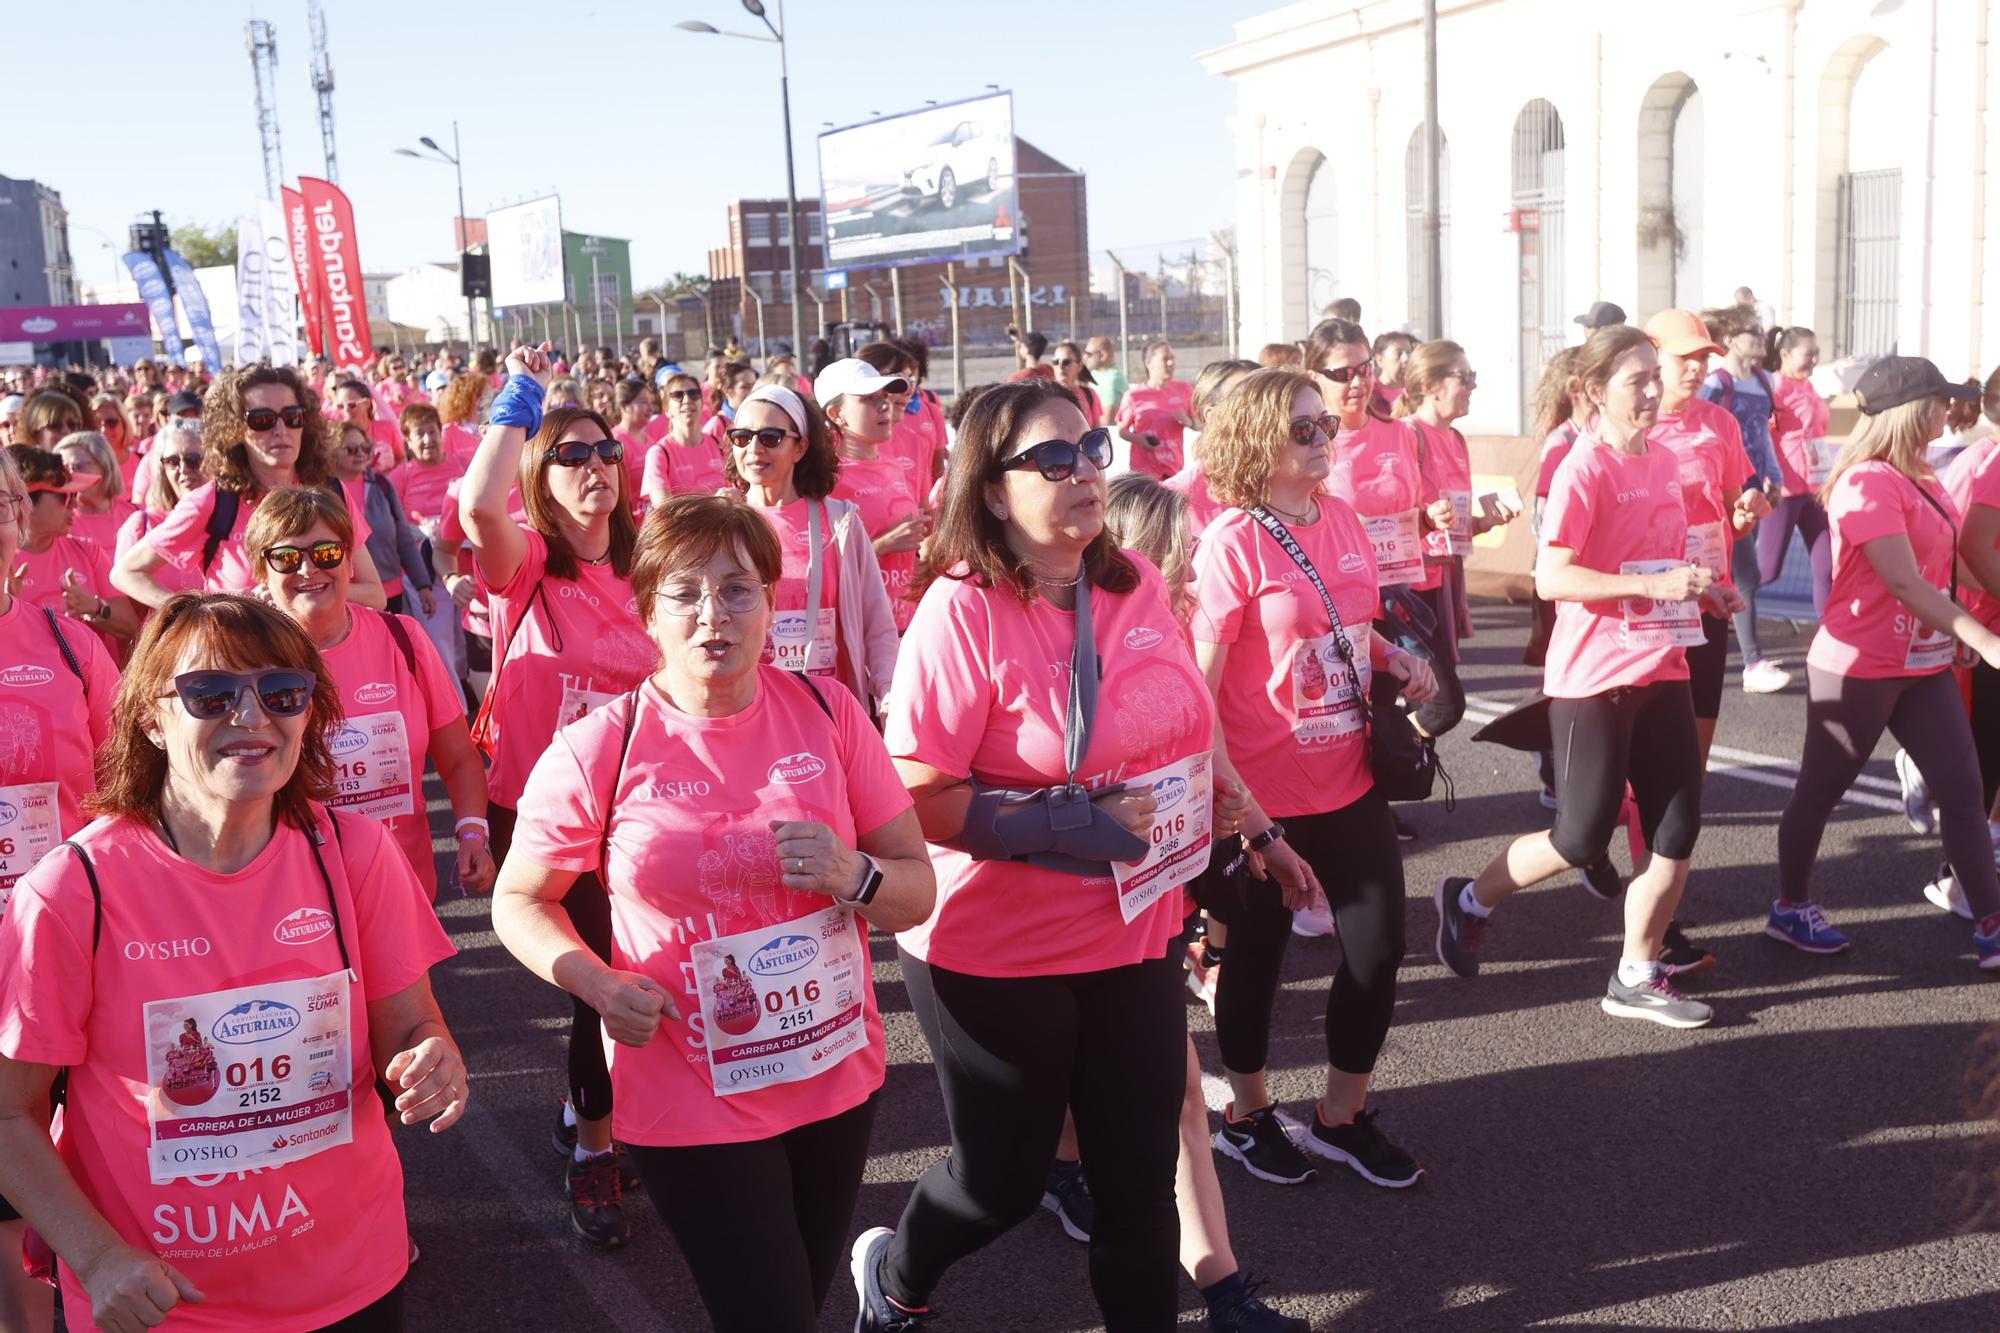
1066	358
751	831
1286	597
1613	557
1805	459
177	454
861	406
1038	788
633	400
681	461
1216	379
427	471
567	638
103	509
458	408
1881	655
1152	417
52	568
109	419
298	943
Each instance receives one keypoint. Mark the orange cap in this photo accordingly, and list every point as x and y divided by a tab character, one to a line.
1682	333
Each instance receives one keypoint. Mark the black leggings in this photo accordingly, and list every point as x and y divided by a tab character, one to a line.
1353	851
1596	740
589	909
382	1316
763	1225
1986	729
1010	1054
1708	663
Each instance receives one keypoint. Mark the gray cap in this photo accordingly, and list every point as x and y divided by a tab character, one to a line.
1601	315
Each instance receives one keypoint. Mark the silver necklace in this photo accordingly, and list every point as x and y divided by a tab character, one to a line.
1306	517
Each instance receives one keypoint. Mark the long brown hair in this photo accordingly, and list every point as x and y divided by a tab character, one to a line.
545	516
1553	404
1424	371
969	542
237	632
225	453
818	468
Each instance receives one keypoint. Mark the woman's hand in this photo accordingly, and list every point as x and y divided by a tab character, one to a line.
463	588
1683	583
1722	600
475	864
1231	803
1296	880
78	600
431	1076
130	1289
1751	508
905	536
1442	513
631	1005
812	860
1419	681
428	601
536	361
1133	809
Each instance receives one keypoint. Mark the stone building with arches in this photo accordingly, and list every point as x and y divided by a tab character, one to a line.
1833	155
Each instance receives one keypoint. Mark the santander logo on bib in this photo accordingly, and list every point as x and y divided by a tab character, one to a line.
796	768
375	692
26	677
1142	638
304	926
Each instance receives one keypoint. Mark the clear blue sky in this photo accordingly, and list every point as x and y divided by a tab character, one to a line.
647	132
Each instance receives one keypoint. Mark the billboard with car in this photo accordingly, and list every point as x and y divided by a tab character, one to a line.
922	186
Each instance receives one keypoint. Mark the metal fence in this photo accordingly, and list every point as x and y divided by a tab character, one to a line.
1871	223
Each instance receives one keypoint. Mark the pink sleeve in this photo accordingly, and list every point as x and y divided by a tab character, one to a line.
1221	589
533	563
939	710
100	677
655	478
100	570
1869	503
562	817
1567	520
1985	484
400	935
875	792
46	982
1736	468
179	537
1127	407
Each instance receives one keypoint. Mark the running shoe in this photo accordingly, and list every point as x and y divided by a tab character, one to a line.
1459	931
1916	794
1067	1195
1805	928
1681	955
1988	948
1548	797
1657	1001
596	1201
1945	894
1310	923
1602	879
1245	1313
1405	830
563	1137
1259	1141
1363	1146
878	1314
1765	677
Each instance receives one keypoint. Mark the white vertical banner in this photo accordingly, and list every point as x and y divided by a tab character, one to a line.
267	288
253	282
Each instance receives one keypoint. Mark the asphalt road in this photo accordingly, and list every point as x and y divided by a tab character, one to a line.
1809	1161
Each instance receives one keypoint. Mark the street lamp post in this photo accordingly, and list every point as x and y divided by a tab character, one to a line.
777	34
458	170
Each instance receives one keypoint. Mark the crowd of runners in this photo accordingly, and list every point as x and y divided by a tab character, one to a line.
724	669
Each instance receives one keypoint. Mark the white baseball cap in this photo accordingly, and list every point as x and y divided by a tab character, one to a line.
855	376
10	406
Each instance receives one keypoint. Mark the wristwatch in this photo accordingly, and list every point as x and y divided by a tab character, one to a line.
1266	838
871	881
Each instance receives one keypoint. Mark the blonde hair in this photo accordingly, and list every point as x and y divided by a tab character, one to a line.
110	481
1424	372
1245	433
1152	519
160	497
1900	437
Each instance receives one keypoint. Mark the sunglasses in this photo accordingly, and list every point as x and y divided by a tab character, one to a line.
186	462
327	554
738	597
1057	460
261	419
575	453
209	695
1307	429
768	436
1342	374
685	395
1469	378
68	498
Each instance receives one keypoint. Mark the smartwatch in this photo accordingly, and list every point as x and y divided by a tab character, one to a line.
1266	838
871	881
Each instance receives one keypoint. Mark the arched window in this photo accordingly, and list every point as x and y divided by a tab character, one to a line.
1670	197
1322	241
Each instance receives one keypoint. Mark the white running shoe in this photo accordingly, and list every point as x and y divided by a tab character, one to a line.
1917	807
1944	894
1313	922
1765	677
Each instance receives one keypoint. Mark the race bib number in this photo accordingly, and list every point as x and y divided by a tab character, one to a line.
244	1079
1399	550
1708	547
371	766
1651	624
1184	793
782	1003
1820	453
1323	703
28	828
1928	650
794	650
576	701
1458	541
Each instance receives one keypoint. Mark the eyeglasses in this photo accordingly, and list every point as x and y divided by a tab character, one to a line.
362	449
685	395
1057	460
209	695
768	436
12	500
327	554
1469	378
1342	374
109	423
1307	429
261	419
739	597
575	453
185	462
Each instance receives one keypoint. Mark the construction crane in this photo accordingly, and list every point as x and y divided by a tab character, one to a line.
322	77
261	41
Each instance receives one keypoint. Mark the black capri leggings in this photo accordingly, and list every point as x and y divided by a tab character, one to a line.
589	909
1353	851
1986	729
763	1225
1596	743
1011	1053
1708	662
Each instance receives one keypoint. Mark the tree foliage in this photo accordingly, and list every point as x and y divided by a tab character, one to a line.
205	247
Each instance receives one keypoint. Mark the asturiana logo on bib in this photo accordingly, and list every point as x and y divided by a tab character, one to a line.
304	926
1351	562
1167	792
26	677
797	768
254	1021
375	692
787	953
347	740
9	812
1142	638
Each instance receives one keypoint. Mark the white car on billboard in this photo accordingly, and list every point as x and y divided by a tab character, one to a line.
963	155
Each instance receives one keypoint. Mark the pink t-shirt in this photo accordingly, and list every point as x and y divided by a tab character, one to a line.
461	443
51	724
1708	445
1798	415
391	706
1612	508
1203	508
682	469
388	441
919	438
692	858
172	577
286	1248
101	528
794	528
1287	708
574	645
887	495
42	582
1445	468
1149	410
180	536
1554	450
1375	471
981	689
636	444
1866	632
422	487
1972	479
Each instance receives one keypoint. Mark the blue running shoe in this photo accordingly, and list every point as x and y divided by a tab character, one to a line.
1805	928
1989	949
879	1314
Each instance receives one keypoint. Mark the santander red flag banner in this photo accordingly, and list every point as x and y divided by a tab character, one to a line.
306	267
337	258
